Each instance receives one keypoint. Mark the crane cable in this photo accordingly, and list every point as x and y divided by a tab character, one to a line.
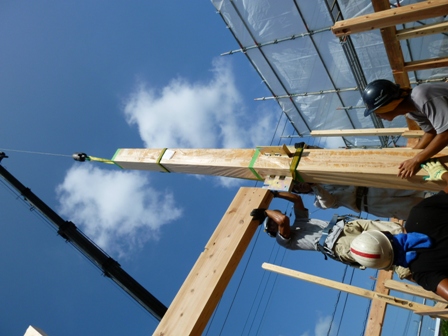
33	152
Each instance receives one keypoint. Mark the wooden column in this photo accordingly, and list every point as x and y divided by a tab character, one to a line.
377	311
196	300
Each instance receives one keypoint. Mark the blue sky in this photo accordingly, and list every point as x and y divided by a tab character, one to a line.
81	76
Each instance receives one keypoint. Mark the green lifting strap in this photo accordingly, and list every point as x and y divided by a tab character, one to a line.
160	158
251	165
294	163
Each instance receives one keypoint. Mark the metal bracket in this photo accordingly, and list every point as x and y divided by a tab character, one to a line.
279	183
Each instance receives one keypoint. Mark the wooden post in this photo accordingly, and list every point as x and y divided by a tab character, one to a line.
377	311
196	300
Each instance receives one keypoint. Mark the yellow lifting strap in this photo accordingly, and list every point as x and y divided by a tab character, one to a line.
294	163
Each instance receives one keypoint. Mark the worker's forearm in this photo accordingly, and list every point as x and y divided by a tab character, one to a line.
282	222
438	143
425	140
296	199
442	289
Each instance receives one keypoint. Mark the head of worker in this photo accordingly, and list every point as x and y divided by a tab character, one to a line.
373	249
270	226
386	99
302	188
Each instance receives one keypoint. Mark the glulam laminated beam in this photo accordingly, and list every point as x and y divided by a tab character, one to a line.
359	167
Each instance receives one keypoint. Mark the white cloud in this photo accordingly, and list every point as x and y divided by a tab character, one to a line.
118	210
322	326
197	115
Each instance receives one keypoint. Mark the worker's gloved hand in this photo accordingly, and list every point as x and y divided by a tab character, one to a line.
259	214
435	170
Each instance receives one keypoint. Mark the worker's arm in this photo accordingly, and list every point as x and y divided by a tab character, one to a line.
442	288
323	198
296	199
410	167
282	222
424	141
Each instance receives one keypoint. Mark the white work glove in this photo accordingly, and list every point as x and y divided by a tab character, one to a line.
435	170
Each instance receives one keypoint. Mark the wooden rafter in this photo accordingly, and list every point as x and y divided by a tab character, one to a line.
404	132
391	17
426	64
409	33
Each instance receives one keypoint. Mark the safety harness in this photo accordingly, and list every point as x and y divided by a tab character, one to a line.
329	236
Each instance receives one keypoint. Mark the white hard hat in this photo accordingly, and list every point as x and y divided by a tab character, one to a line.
372	249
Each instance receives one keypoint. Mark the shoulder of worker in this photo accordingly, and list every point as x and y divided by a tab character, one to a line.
429	90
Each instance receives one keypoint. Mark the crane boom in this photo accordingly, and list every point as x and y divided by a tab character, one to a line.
71	233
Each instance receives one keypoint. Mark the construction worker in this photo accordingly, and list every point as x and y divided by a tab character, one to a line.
424	247
314	234
386	203
426	104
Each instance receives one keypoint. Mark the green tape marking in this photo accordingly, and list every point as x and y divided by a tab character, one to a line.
251	165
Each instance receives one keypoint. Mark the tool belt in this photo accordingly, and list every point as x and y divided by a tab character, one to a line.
361	198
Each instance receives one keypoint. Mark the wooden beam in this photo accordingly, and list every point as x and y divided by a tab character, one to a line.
408	288
409	33
394	301
442	313
398	131
426	64
377	311
366	167
391	17
196	300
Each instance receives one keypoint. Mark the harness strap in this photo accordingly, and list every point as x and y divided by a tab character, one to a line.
329	236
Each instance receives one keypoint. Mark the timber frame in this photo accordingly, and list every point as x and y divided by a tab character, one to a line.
180	320
386	18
